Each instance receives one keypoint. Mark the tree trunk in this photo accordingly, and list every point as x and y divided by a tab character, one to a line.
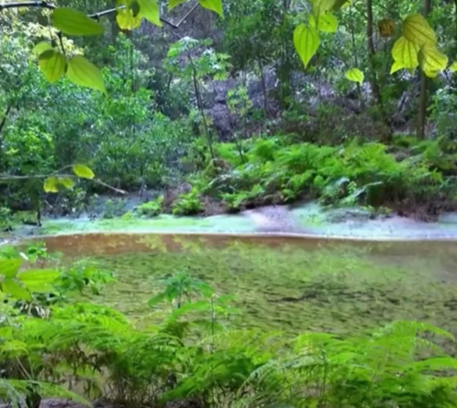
373	77
423	97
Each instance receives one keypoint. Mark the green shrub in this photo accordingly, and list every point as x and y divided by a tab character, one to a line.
188	204
151	208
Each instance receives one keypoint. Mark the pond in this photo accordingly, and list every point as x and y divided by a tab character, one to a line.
290	284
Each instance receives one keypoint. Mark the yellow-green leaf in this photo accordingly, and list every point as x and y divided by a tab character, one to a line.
67	182
396	66
9	267
355	75
404	53
51	185
83	171
327	23
322	6
75	22
15	290
417	30
306	41
42	47
149	9
52	63
453	67
174	3
433	61
82	72
127	20
213	5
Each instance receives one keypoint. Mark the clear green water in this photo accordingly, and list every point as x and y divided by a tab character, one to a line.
291	286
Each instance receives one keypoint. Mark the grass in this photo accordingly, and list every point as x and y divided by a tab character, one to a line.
334	289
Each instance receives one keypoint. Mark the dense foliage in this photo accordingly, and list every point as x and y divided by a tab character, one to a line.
232	121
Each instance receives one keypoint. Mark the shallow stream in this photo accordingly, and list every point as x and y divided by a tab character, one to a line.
291	284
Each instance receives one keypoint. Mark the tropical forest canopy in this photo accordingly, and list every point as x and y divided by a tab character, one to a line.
202	107
227	104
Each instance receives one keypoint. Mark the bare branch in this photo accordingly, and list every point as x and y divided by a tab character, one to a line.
95	16
41	4
6	177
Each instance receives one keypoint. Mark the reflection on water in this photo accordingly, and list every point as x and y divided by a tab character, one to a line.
290	284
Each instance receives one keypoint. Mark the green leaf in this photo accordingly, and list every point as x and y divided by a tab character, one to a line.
38	280
433	61
306	41
417	30
404	53
82	72
52	63
83	171
453	67
328	23
149	9
175	3
13	288
51	185
67	182
42	47
320	7
213	5
355	75
127	20
10	267
74	22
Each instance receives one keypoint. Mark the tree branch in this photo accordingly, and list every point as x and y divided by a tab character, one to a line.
6	177
95	16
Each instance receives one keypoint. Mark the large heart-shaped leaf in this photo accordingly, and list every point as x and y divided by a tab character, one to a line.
306	41
52	63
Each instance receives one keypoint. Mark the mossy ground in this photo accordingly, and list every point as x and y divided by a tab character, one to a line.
338	288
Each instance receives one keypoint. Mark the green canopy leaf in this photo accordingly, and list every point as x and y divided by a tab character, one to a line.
67	182
52	63
12	288
327	23
83	171
127	20
74	22
404	53
82	72
306	41
10	267
213	5
355	75
51	185
417	30
149	9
